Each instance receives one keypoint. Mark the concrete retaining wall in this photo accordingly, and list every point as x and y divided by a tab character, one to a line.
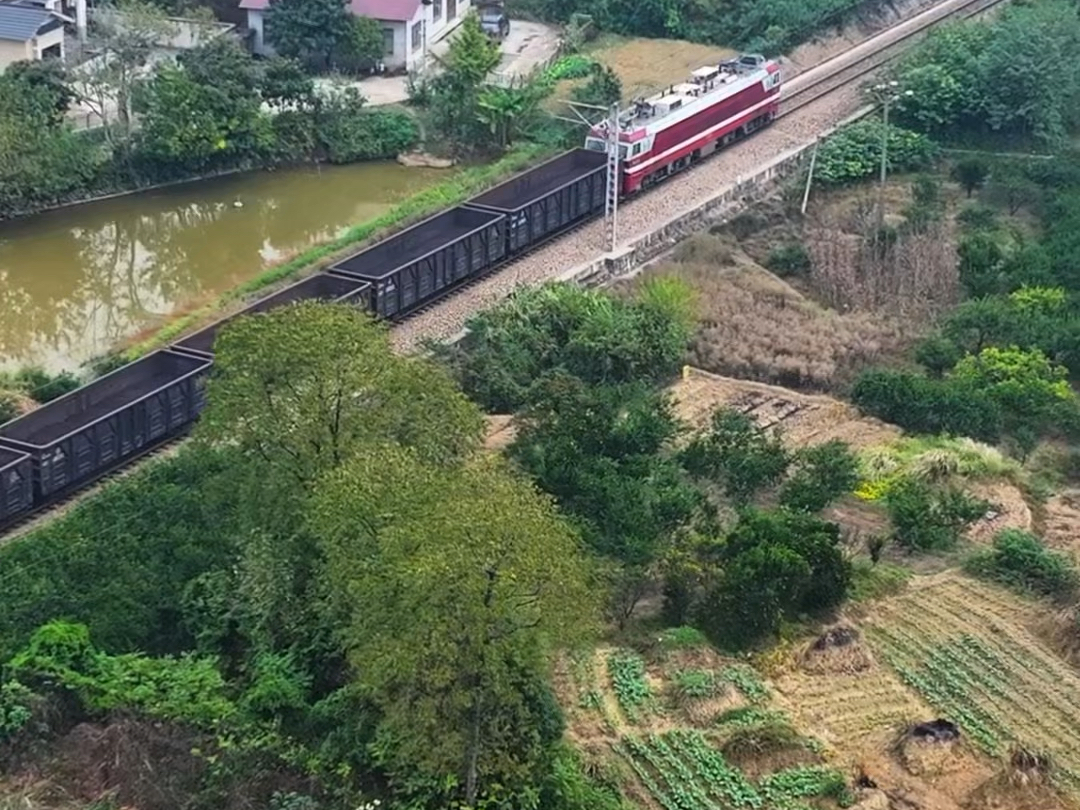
730	201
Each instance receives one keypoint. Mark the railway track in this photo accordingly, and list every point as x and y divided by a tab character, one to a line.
805	89
855	64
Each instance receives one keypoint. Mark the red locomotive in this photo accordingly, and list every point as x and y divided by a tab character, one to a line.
665	133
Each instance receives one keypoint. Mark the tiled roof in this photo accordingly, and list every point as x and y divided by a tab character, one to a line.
393	10
19	23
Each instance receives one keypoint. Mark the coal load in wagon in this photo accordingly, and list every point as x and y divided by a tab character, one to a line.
321	287
75	438
550	198
412	267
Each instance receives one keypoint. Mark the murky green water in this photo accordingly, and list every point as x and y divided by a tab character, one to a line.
74	283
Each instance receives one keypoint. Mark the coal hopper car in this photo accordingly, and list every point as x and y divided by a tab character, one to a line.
319	287
547	200
422	263
16	484
83	435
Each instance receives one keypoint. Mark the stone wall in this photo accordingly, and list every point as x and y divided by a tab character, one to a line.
730	201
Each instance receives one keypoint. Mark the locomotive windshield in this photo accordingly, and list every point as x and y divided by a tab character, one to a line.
600	145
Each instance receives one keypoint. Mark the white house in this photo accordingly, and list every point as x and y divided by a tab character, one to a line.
409	26
29	31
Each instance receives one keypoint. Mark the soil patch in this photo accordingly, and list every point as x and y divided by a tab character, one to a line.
805	419
837	650
1008	510
500	431
1061	522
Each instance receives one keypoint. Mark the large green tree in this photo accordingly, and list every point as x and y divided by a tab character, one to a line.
206	109
774	566
604	452
296	393
41	158
562	328
453	585
736	454
993	74
127	33
302	387
309	30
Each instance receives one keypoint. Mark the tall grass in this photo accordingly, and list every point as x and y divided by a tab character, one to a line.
454	191
932	458
754	326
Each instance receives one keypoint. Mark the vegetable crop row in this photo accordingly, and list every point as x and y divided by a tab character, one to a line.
627	672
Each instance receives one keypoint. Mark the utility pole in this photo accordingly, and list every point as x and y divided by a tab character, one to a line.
884	158
810	175
614	178
885	93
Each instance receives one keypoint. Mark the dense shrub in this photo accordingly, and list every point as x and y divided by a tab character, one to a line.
854	152
9	405
818	475
349	135
39	384
588	334
926	517
737	455
1019	559
790	259
60	654
926	405
776	565
119	562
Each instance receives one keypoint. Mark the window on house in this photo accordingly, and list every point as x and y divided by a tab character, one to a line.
417	35
436	10
388	41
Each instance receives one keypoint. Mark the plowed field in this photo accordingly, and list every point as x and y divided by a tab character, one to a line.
963	647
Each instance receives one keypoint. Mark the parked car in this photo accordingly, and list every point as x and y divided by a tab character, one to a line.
494	21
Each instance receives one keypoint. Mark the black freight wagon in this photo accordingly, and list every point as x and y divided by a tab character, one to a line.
322	287
16	484
420	263
76	438
548	199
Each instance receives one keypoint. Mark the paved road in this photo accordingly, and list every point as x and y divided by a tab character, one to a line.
528	45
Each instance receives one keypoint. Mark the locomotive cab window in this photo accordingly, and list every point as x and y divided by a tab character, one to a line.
595	145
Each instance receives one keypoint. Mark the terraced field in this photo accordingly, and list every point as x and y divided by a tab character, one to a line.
682	771
962	646
851	711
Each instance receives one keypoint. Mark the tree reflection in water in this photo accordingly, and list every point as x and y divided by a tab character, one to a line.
76	282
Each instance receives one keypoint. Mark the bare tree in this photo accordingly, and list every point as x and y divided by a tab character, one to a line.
125	35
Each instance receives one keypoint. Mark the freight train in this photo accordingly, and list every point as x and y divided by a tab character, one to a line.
73	441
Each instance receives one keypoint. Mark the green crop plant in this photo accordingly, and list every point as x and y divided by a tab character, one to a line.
726	783
696	683
627	671
950	676
784	788
747	681
745	716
